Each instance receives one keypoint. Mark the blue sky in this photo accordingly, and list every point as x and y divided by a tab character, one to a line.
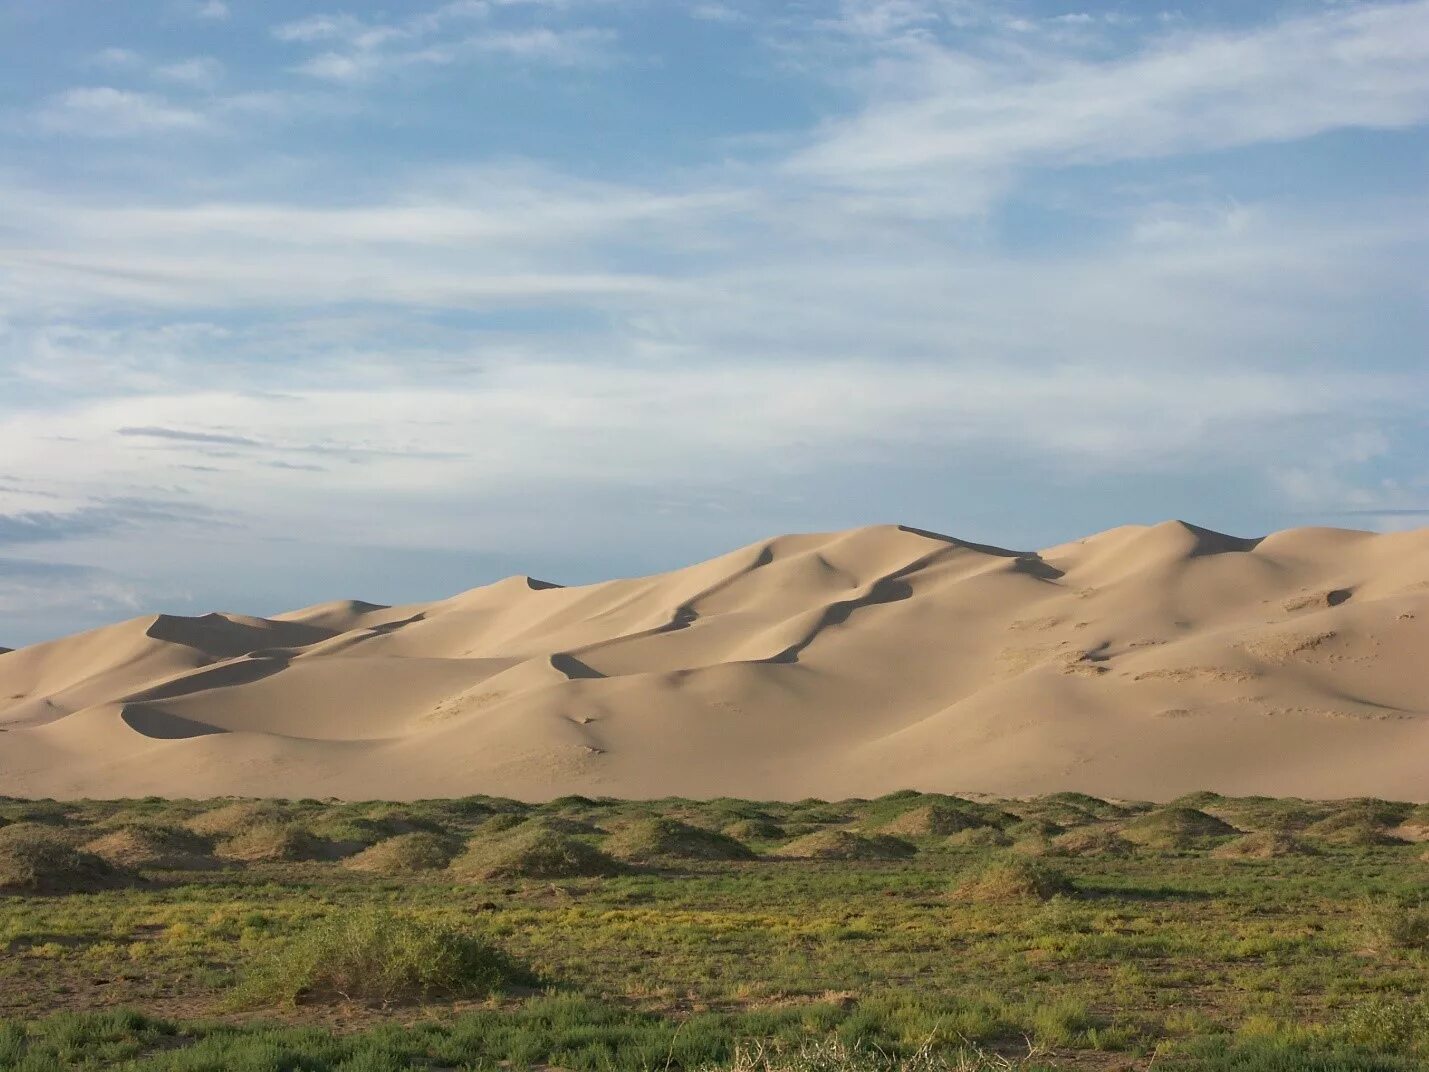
310	300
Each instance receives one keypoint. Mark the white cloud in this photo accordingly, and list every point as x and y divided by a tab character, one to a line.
106	112
198	71
354	50
744	331
214	10
941	114
116	58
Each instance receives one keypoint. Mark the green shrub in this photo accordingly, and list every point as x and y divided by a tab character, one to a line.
933	820
753	830
1175	828
652	838
1263	845
376	957
1387	1024
271	843
534	853
1091	841
231	819
1392	924
1014	879
403	853
43	862
978	838
846	845
155	845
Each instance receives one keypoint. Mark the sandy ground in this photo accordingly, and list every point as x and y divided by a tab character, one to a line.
1145	661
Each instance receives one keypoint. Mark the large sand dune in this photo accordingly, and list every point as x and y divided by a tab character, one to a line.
1144	661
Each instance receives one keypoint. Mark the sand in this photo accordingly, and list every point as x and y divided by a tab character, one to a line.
1146	661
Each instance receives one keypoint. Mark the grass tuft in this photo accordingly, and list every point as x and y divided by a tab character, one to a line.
656	837
403	854
846	845
377	957
47	863
1014	879
535	853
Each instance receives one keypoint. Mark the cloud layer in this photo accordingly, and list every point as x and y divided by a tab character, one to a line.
369	288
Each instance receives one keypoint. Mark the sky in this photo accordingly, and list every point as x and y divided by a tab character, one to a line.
314	300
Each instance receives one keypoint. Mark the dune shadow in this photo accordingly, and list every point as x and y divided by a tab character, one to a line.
162	726
886	590
241	671
573	668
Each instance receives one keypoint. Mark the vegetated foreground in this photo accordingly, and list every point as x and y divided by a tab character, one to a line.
915	931
1145	661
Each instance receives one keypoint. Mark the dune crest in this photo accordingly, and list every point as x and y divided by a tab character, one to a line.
1144	661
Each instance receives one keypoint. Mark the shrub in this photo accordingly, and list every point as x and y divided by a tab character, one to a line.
832	1054
753	830
933	820
1091	841
1393	924
535	853
1014	879
231	819
32	862
1265	845
978	838
646	839
1355	828
155	845
846	845
1033	828
271	843
1173	828
403	853
376	957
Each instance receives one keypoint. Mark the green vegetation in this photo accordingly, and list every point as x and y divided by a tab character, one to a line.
375	957
912	933
846	845
403	854
663	838
1014	879
537	852
37	860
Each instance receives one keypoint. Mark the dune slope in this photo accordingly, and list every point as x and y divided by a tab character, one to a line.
1144	661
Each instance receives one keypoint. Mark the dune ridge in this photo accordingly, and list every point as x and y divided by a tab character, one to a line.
1144	661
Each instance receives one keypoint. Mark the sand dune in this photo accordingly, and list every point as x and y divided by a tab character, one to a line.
1144	661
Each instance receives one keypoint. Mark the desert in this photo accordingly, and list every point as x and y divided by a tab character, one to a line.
1143	662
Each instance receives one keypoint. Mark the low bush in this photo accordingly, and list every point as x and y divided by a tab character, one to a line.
653	838
271	843
46	863
376	957
1014	879
846	845
404	853
534	853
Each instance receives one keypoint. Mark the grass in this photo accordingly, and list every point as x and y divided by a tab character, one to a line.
846	845
1014	879
659	837
378	957
1175	828
404	854
44	861
1205	955
535	853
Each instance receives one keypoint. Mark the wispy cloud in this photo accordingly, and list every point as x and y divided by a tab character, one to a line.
942	113
201	72
1018	257
212	10
354	50
107	112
